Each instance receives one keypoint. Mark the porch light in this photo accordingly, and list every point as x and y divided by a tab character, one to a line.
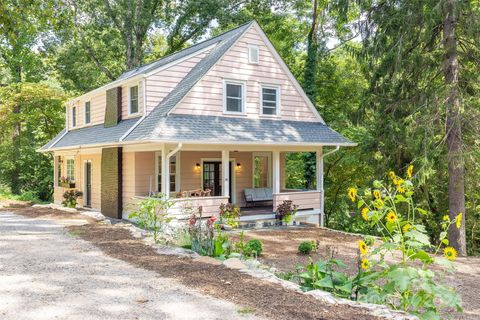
239	165
197	166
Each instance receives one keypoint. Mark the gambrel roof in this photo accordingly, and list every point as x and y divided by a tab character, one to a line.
160	125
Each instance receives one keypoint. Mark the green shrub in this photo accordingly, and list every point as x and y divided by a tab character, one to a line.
369	240
70	198
253	247
307	247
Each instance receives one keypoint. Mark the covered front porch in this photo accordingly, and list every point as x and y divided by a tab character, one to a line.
252	177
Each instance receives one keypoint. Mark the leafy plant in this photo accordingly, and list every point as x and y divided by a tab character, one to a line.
202	234
253	248
286	210
152	214
229	214
369	240
307	247
70	198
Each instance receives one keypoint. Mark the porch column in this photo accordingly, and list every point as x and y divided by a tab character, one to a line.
165	172
319	171
226	173
55	170
276	172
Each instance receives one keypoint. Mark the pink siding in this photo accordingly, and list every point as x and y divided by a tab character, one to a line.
162	82
137	169
207	95
303	199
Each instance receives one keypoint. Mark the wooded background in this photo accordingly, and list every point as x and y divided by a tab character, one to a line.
400	78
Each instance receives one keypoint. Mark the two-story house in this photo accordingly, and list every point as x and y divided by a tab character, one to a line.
206	125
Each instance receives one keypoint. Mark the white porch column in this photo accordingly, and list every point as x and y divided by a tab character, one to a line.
319	172
55	170
276	172
226	173
165	172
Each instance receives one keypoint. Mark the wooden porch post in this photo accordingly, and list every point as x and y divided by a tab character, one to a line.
319	171
276	171
226	173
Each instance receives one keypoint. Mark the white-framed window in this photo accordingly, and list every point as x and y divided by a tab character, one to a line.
87	112
253	54
234	96
74	116
71	170
269	100
262	170
133	100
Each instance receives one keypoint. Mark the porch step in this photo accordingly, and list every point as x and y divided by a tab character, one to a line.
264	224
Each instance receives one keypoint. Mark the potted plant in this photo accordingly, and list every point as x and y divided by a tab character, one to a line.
285	211
66	183
71	197
229	214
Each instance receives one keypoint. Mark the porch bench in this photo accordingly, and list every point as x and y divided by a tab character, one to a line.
254	195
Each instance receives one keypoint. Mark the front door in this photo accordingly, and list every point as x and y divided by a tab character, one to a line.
88	184
212	177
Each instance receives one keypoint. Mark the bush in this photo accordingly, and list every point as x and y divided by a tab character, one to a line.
229	214
253	247
307	247
71	197
369	240
286	210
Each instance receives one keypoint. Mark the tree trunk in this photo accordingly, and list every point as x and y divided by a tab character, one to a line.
16	130
312	56
456	169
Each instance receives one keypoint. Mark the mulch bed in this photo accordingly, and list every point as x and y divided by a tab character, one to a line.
266	299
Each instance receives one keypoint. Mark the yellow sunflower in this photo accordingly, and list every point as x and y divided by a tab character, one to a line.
378	203
458	220
377	194
400	189
365	214
450	253
446	218
365	264
410	171
362	246
352	194
391	216
392	175
406	227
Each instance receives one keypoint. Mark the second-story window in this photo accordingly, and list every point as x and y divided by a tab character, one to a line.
87	112
133	101
234	97
74	116
270	100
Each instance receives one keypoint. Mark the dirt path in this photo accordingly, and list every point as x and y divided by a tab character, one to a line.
256	297
47	273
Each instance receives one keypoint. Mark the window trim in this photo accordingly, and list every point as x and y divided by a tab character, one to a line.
279	93
244	96
130	113
74	116
177	171
89	113
269	169
250	47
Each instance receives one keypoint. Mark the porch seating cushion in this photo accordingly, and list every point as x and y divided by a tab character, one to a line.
258	194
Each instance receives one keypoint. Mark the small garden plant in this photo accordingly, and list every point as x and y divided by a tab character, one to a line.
286	210
229	214
70	198
307	247
253	248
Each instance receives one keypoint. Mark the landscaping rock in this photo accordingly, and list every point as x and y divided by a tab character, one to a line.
322	295
208	260
234	263
176	251
55	206
93	214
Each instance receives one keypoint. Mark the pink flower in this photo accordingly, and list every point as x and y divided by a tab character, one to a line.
211	220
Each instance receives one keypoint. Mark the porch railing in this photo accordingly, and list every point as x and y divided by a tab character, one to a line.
305	200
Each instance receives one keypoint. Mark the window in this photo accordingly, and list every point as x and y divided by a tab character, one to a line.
59	170
261	170
87	112
253	54
173	173
74	116
71	170
133	100
234	97
270	100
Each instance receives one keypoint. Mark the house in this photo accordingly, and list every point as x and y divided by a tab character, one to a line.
206	125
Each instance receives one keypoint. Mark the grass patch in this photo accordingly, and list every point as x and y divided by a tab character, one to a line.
245	311
74	233
28	196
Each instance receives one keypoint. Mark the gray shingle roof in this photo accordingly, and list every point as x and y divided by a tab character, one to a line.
97	134
192	128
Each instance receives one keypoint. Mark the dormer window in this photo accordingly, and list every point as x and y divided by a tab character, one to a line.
74	116
234	97
270	100
253	54
133	100
87	112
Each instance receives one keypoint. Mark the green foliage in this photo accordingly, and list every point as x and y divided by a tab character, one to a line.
70	198
369	240
152	214
229	214
253	248
307	247
286	210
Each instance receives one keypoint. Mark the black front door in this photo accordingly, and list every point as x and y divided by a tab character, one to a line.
88	184
211	177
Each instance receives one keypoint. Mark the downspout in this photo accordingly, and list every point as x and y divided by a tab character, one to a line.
321	189
167	162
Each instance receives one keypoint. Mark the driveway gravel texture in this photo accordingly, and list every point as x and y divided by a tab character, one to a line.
47	272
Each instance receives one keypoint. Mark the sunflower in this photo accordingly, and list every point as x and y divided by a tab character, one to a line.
392	175
365	214
362	246
446	218
365	264
410	171
400	189
352	194
378	203
406	227
450	253
391	216
458	220
377	194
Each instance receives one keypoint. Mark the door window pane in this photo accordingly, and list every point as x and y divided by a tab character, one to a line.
173	173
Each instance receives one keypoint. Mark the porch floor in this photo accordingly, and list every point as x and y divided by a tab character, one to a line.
253	211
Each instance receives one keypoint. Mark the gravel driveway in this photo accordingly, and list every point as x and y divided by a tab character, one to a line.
47	273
